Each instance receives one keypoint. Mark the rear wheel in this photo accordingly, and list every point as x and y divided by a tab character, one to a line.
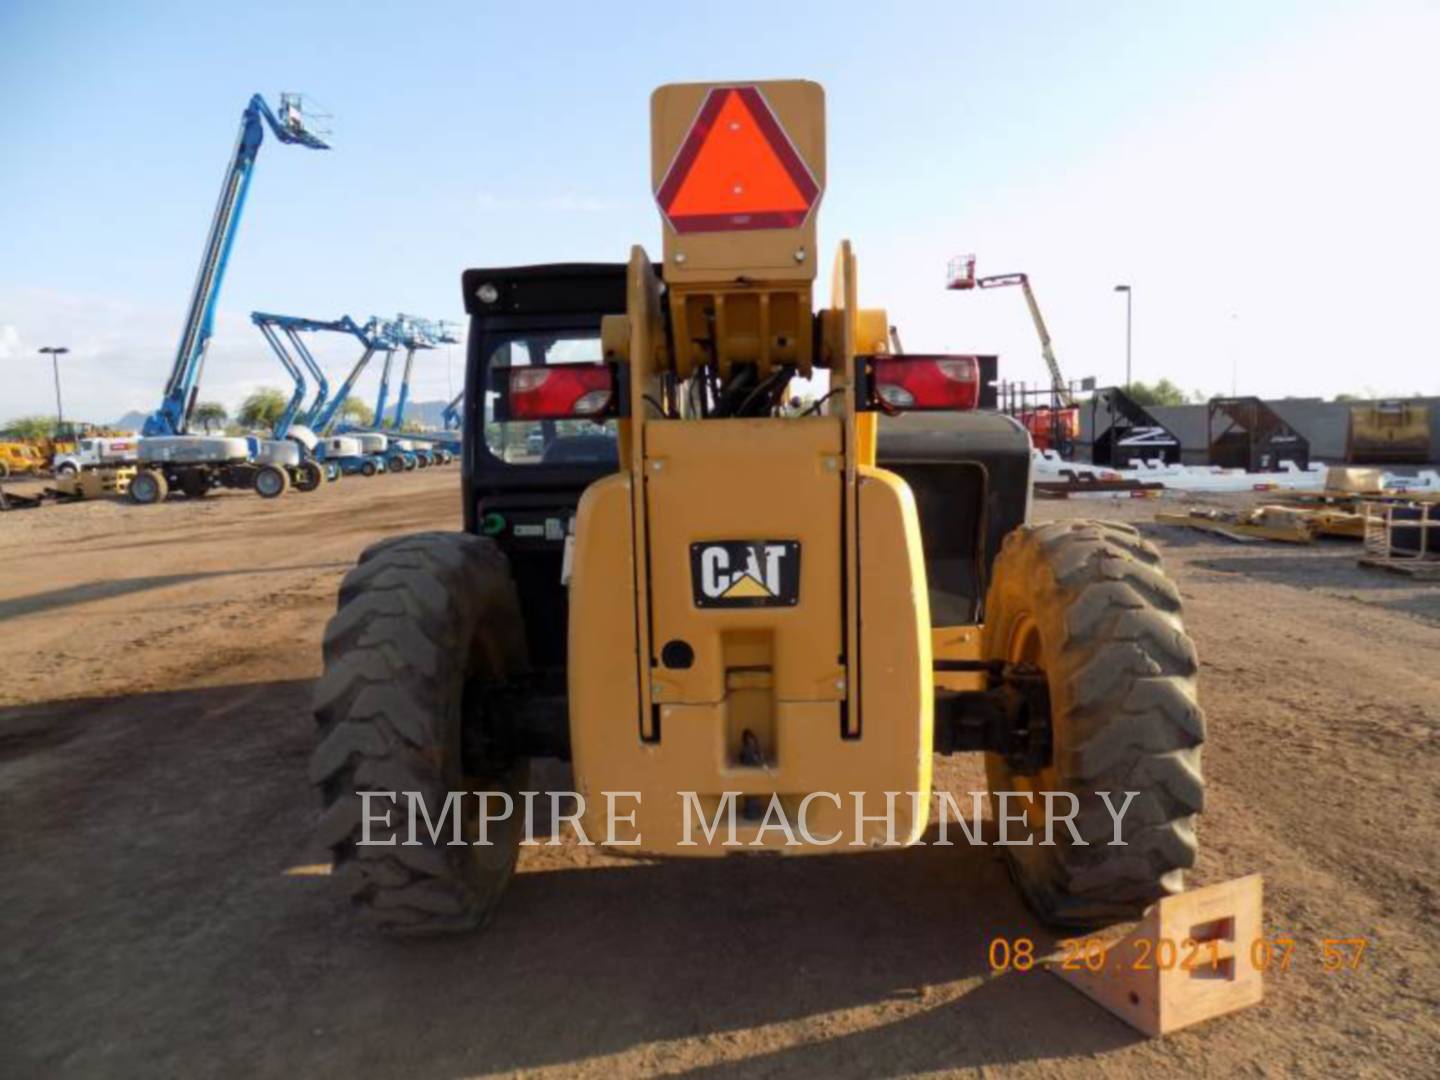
148	487
1088	603
426	624
396	464
271	482
368	469
309	475
195	484
68	469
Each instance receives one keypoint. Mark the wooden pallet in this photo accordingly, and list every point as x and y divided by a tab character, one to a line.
1244	526
1156	980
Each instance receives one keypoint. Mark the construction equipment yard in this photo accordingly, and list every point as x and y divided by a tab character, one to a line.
540	619
163	912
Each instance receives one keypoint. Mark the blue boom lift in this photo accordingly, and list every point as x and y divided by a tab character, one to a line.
450	418
169	455
375	336
414	334
340	454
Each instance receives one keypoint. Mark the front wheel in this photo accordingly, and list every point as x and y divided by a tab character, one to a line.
425	625
368	469
1088	603
148	487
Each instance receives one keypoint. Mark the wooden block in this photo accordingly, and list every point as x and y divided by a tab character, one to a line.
1142	979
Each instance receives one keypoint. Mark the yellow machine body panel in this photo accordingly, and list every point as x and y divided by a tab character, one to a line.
746	480
758	712
1382	432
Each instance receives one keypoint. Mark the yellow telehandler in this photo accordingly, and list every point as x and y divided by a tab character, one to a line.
20	459
749	627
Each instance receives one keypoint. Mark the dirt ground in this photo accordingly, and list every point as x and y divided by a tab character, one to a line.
154	734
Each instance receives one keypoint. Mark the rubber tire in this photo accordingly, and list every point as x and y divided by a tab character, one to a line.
309	476
395	464
421	461
420	619
280	481
67	469
368	469
155	493
411	464
1121	674
194	485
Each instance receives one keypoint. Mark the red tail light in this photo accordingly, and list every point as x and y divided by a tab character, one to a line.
562	392
919	383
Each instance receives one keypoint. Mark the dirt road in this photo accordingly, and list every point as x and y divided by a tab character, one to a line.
154	814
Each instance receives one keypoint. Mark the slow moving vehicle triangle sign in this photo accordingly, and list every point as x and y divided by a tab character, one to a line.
736	169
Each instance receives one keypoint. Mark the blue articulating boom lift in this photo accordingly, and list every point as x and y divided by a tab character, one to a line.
375	336
293	450
169	455
394	334
450	418
414	334
338	454
322	384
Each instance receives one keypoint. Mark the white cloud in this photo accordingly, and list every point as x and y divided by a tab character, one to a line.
10	344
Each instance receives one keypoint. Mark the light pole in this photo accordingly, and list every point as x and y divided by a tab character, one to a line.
1126	290
55	352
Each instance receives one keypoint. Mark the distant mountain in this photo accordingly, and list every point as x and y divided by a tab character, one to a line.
428	414
131	421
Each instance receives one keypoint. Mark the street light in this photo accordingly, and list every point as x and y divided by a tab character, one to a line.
1126	290
55	352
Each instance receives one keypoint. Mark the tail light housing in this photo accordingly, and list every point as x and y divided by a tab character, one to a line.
559	392
915	383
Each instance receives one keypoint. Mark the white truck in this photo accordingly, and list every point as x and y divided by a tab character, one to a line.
93	452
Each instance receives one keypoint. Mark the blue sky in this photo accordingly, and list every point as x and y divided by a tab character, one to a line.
1265	174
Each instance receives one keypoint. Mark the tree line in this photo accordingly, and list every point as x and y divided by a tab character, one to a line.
261	411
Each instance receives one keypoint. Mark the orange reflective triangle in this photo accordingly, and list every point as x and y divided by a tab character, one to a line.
737	169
